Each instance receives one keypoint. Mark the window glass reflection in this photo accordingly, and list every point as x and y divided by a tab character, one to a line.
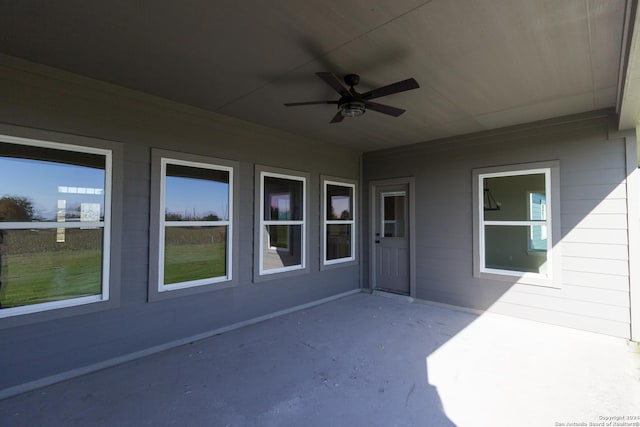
506	249
194	253
394	215
196	194
284	246
338	241
282	199
47	191
339	202
511	193
36	266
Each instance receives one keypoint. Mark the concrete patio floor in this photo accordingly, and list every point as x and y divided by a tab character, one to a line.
364	360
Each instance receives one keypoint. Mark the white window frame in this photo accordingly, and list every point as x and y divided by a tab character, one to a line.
263	223
105	225
552	277
161	286
352	222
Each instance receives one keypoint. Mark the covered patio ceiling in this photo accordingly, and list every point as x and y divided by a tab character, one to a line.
480	65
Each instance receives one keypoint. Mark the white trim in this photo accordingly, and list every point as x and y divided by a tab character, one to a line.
53	145
53	305
51	225
228	223
301	223
105	225
633	224
196	223
326	222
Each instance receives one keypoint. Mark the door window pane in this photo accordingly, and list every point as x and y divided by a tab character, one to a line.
393	207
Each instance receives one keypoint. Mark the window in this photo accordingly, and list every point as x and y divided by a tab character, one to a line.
282	222
516	222
195	229
394	214
538	212
55	222
339	221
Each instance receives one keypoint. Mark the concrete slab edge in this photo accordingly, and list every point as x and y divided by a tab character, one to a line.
405	298
63	376
452	307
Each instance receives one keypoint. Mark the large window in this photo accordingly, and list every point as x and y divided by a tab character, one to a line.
517	222
282	222
338	222
195	224
514	228
55	216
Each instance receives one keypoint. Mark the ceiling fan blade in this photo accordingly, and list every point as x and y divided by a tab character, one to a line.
396	87
297	104
333	81
385	109
337	118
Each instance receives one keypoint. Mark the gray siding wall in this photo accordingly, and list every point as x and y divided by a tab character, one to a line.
38	97
594	289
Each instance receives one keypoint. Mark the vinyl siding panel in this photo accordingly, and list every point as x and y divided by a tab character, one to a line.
60	103
603	236
593	288
586	322
595	250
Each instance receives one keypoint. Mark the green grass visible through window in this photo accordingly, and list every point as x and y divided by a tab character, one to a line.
33	278
183	263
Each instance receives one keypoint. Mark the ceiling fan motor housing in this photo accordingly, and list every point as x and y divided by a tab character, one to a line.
352	80
350	107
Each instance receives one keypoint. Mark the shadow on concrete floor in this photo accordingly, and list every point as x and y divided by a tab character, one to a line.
364	360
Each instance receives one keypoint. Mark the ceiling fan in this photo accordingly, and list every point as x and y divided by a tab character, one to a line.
353	103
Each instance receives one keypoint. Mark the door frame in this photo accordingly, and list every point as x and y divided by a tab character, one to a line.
373	187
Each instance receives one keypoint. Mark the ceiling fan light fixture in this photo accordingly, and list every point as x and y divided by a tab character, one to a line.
352	108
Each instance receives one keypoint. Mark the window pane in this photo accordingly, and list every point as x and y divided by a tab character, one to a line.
196	194
282	199
283	246
507	248
338	241
511	195
38	266
394	215
339	202
194	253
538	240
68	189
